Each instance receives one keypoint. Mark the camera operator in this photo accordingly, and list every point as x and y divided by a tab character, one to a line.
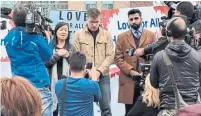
27	54
80	93
127	42
186	67
183	8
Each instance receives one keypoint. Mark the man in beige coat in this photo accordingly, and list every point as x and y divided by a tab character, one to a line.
96	43
136	37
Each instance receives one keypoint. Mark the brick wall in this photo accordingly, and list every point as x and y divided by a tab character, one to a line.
140	3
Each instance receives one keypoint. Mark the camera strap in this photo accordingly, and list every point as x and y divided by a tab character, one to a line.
179	99
63	96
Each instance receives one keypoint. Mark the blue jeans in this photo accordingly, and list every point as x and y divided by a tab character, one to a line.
104	84
47	99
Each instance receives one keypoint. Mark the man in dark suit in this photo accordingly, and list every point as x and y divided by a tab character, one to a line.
136	37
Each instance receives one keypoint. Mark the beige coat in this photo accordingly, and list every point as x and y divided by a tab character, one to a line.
125	62
103	56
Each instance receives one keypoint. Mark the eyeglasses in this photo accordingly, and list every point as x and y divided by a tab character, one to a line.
94	21
135	18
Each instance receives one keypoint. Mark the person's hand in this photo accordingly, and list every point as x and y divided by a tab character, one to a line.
93	74
67	54
139	52
132	73
62	52
85	72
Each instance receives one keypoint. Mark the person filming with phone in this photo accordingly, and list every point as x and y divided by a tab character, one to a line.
75	93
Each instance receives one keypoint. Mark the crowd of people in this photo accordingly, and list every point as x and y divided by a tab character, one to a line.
59	78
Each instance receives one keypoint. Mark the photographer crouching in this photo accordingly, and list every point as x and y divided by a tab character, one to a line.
75	93
27	54
190	15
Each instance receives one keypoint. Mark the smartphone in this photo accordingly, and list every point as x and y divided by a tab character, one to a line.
89	65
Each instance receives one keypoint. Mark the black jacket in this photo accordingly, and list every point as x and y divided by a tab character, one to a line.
159	45
154	47
58	59
141	109
55	57
187	71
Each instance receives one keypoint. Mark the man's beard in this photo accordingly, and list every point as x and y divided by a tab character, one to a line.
135	26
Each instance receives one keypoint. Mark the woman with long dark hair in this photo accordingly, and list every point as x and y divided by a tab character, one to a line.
58	66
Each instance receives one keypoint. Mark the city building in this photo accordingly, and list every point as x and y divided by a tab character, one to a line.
102	5
42	6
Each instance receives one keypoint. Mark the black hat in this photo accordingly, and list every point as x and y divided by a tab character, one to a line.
185	8
60	24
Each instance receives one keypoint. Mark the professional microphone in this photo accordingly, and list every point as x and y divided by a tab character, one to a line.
45	18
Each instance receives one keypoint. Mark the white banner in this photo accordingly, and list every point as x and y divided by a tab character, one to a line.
115	21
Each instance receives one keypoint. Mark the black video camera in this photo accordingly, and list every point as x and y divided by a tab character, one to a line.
35	22
189	38
196	14
144	68
163	24
195	22
5	12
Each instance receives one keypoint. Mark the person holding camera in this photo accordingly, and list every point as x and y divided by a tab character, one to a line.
27	54
96	43
128	64
75	93
58	65
182	8
186	67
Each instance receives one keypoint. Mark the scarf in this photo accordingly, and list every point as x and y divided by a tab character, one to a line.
54	78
